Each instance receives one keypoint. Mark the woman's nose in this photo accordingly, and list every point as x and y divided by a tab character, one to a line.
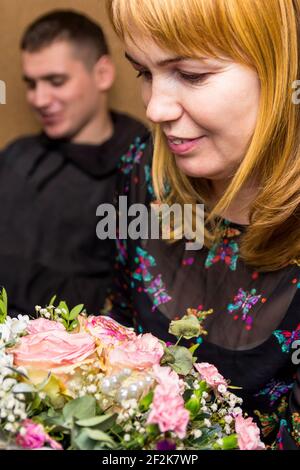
163	105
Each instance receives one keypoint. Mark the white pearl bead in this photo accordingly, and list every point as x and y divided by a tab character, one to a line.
122	394
132	390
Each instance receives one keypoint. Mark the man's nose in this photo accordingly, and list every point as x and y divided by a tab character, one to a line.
40	97
163	105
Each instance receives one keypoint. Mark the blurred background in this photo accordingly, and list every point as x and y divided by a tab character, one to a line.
15	117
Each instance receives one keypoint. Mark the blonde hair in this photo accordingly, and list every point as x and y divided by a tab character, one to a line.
265	36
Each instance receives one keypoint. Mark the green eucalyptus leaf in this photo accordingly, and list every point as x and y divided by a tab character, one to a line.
94	421
80	408
183	360
82	441
98	435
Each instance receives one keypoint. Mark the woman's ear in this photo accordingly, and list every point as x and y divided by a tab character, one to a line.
104	72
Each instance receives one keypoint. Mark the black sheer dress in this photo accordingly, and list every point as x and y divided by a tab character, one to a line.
254	330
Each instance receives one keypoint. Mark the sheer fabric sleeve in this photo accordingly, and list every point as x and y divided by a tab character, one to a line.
133	184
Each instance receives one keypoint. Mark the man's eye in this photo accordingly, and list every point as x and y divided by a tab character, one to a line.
144	74
58	82
193	77
30	85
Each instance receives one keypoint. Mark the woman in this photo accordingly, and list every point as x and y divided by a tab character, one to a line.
217	80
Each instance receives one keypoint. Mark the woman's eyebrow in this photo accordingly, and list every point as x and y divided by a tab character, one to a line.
160	63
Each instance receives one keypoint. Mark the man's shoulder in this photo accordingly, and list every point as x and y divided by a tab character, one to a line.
21	146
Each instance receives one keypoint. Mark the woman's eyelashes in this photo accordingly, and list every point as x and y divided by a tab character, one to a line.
187	77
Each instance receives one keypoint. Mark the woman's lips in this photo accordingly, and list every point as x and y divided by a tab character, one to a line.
185	145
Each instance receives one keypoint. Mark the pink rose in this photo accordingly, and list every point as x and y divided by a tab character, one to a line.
41	324
142	352
33	436
168	412
54	348
210	374
248	434
107	330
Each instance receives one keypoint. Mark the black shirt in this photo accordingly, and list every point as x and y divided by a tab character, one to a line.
49	193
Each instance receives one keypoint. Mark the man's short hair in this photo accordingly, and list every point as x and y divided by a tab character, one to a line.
66	25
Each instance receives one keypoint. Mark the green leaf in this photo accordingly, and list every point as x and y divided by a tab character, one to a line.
145	402
90	422
183	360
187	327
230	442
98	435
82	441
52	300
75	311
2	306
80	408
193	405
63	305
4	297
193	348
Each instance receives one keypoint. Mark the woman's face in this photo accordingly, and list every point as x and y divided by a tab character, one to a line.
207	108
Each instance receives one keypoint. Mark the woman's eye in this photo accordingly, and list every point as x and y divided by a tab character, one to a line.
193	77
145	74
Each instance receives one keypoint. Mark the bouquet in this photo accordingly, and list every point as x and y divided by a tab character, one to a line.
72	381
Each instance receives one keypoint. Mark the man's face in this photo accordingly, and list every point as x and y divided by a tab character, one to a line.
61	89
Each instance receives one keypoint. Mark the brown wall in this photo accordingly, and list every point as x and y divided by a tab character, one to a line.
15	117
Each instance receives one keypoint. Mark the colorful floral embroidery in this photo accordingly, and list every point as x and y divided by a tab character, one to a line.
133	156
275	390
279	438
226	250
244	302
158	290
286	338
122	251
268	422
144	261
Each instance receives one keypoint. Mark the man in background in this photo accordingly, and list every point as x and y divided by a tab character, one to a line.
52	183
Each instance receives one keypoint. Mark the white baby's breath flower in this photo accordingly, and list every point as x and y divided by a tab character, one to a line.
197	433
214	407
237	411
222	388
11	418
127	437
228	419
207	423
227	429
127	427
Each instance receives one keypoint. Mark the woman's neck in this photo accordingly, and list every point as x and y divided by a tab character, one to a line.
239	209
